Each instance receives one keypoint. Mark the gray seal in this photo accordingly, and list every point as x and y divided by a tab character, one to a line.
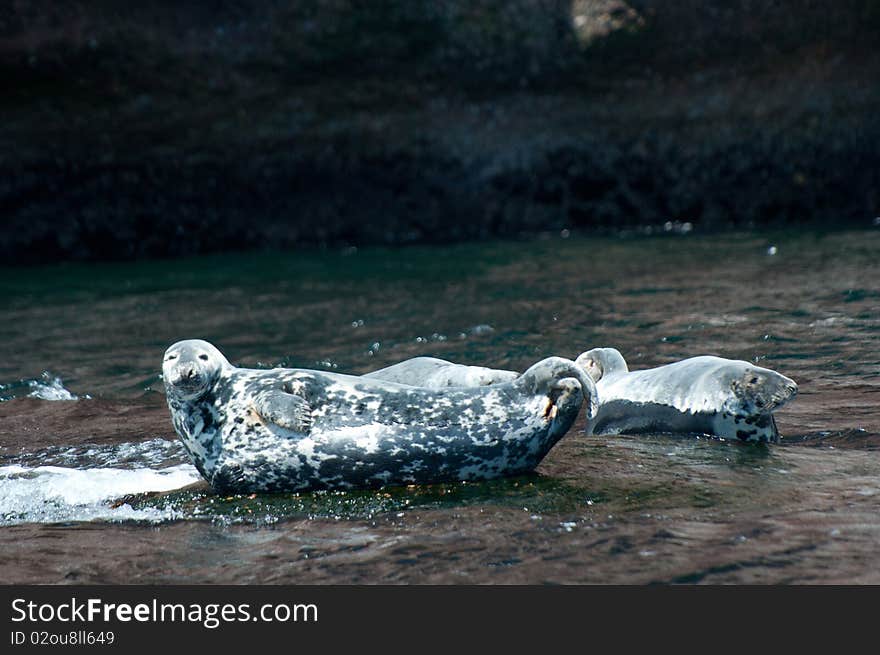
284	430
701	395
434	373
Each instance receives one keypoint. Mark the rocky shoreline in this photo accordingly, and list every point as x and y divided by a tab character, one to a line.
172	132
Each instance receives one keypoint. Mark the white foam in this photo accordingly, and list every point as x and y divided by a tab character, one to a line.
153	453
49	388
51	494
46	387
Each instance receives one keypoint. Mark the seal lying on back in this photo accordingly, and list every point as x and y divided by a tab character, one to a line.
294	429
434	373
702	395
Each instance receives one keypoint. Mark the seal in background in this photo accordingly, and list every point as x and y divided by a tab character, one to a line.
703	395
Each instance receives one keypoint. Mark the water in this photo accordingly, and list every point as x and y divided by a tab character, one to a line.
84	430
46	387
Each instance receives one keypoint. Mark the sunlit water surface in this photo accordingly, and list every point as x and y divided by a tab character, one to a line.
804	304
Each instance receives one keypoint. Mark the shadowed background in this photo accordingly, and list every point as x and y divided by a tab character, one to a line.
165	129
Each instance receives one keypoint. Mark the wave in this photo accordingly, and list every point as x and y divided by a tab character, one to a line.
46	387
56	494
153	453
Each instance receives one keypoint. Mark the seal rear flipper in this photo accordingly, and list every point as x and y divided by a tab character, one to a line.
285	410
544	377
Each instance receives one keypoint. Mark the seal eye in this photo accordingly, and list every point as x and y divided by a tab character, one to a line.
170	357
204	357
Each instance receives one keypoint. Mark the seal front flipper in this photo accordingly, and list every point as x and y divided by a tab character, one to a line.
284	409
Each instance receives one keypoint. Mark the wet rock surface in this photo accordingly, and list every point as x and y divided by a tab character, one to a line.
165	130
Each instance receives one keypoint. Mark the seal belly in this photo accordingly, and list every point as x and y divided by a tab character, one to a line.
358	451
626	417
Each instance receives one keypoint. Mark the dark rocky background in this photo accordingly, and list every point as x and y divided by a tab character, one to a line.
162	128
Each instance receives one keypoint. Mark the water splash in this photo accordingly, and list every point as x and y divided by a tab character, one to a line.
50	388
54	494
153	453
46	387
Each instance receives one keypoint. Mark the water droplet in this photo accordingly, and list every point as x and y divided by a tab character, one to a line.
772	250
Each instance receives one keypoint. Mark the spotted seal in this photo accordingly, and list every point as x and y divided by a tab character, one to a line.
434	373
703	395
294	429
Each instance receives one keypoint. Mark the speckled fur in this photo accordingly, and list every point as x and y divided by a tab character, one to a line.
331	431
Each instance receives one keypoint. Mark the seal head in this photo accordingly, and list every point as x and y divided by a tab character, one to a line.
190	368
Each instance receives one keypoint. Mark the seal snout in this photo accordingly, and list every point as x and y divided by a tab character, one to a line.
184	372
183	375
186	380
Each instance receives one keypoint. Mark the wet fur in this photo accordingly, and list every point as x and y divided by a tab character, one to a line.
701	395
349	432
434	373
